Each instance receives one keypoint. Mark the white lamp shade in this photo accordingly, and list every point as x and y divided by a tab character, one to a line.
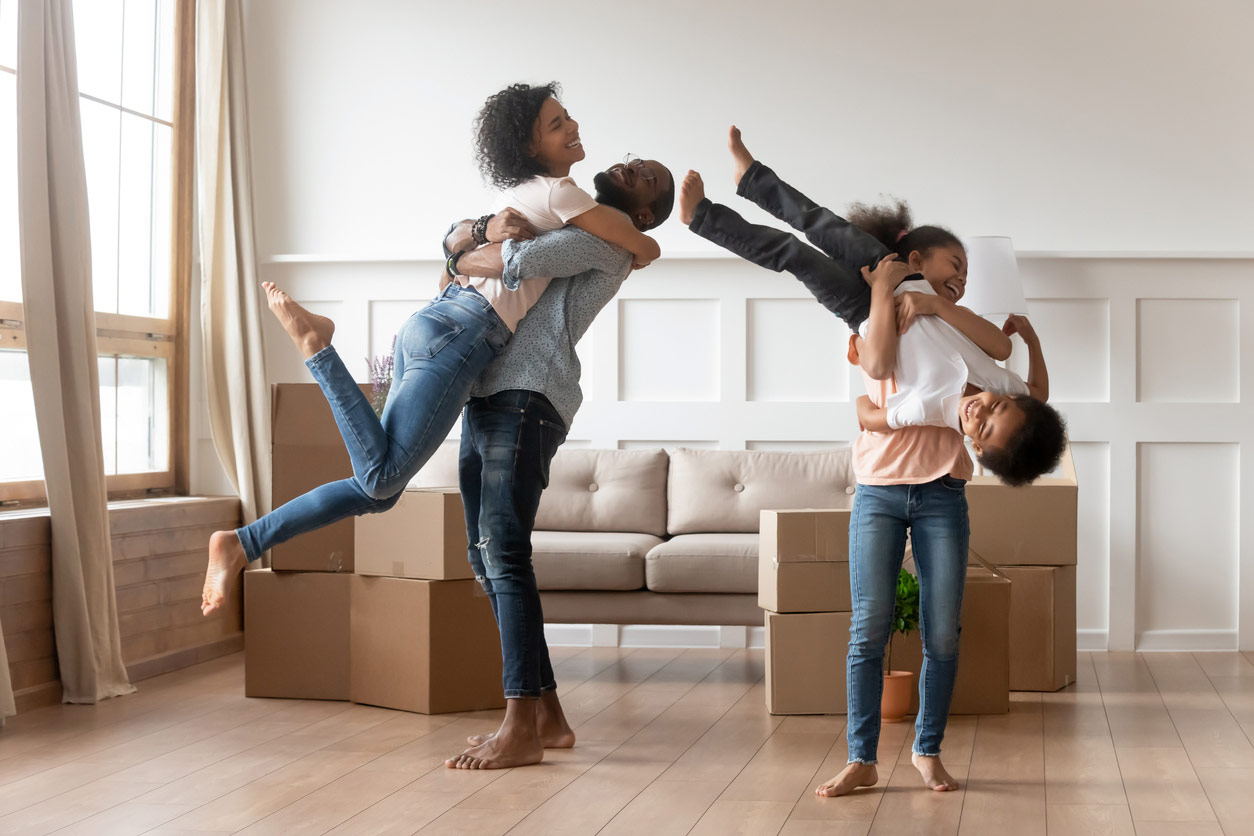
994	286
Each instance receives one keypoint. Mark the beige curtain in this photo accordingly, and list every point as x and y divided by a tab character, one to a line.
230	308
7	706
61	341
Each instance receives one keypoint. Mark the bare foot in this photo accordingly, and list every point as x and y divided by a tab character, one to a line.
498	753
934	775
226	561
309	331
852	777
551	726
739	153
691	192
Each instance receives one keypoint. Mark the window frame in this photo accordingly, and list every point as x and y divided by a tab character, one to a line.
124	335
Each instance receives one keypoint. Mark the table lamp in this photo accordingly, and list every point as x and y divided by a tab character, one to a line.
994	286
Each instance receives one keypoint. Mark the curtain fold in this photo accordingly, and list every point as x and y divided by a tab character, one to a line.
230	310
8	706
61	344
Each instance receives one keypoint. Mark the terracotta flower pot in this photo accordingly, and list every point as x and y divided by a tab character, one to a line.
898	686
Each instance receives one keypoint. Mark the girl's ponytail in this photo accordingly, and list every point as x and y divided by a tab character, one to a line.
892	225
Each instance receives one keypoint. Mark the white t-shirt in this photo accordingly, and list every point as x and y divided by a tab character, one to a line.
935	362
549	203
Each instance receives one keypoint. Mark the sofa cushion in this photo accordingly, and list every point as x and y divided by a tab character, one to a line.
725	490
703	563
590	560
605	490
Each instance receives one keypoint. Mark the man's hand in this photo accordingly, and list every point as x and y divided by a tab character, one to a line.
911	305
1016	324
509	224
887	274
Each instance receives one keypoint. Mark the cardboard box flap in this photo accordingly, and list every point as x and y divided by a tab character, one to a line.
804	536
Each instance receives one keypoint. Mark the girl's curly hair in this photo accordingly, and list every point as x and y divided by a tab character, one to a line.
503	130
892	226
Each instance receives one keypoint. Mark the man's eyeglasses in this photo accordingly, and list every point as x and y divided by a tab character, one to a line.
638	165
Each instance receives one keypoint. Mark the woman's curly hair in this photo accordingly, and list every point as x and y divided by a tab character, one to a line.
503	131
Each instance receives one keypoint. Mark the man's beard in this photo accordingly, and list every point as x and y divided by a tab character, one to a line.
611	193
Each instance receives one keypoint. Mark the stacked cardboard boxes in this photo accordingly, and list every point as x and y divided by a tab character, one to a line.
382	609
803	584
1029	533
424	635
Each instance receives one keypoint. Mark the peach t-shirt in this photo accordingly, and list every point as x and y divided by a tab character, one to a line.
907	456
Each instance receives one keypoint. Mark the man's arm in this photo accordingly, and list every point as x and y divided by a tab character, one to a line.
563	252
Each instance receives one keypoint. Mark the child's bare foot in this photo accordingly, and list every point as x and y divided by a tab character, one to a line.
309	331
499	753
551	726
691	192
853	776
739	153
226	561
934	775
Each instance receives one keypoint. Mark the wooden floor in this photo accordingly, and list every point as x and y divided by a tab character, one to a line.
670	742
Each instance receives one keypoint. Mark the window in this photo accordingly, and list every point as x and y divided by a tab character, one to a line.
134	59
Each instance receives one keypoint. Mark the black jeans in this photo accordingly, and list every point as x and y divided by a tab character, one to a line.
834	275
508	440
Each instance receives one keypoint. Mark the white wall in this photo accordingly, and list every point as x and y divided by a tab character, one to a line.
1071	127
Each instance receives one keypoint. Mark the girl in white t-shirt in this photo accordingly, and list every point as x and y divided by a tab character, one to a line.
527	141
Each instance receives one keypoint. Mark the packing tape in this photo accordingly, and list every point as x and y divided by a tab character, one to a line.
398	568
985	564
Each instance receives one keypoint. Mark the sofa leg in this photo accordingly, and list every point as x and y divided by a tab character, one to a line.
605	635
737	637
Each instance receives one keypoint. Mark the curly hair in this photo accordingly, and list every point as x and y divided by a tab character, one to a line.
503	131
892	226
1035	450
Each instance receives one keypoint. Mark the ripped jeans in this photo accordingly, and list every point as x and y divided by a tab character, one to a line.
508	440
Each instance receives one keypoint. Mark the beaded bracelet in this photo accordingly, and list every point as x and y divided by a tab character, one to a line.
479	232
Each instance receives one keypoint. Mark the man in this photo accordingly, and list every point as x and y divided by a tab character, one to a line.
518	415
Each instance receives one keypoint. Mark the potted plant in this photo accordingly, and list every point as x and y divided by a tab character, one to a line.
898	685
381	378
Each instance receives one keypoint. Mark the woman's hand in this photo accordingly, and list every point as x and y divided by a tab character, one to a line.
912	304
509	224
1016	324
887	274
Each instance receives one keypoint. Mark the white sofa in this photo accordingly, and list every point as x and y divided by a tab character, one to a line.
643	537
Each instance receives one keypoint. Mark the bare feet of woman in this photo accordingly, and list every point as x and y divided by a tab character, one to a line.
853	776
739	153
499	752
551	726
691	192
934	774
309	331
226	561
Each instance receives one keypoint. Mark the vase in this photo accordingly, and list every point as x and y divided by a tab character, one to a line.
898	686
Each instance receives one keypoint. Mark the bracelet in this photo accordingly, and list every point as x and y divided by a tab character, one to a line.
479	232
451	264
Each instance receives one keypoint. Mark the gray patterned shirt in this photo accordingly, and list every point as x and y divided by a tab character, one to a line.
541	356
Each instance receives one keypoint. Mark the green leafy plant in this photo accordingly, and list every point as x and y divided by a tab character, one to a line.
905	612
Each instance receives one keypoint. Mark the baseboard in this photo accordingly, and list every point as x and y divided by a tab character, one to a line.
186	657
38	696
1186	640
651	635
1092	640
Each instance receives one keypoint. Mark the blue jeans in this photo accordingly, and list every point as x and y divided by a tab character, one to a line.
508	440
936	515
440	351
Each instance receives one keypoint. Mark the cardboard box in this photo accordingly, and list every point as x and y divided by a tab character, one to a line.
805	662
1034	525
1042	627
296	635
983	683
803	561
422	536
425	646
307	451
